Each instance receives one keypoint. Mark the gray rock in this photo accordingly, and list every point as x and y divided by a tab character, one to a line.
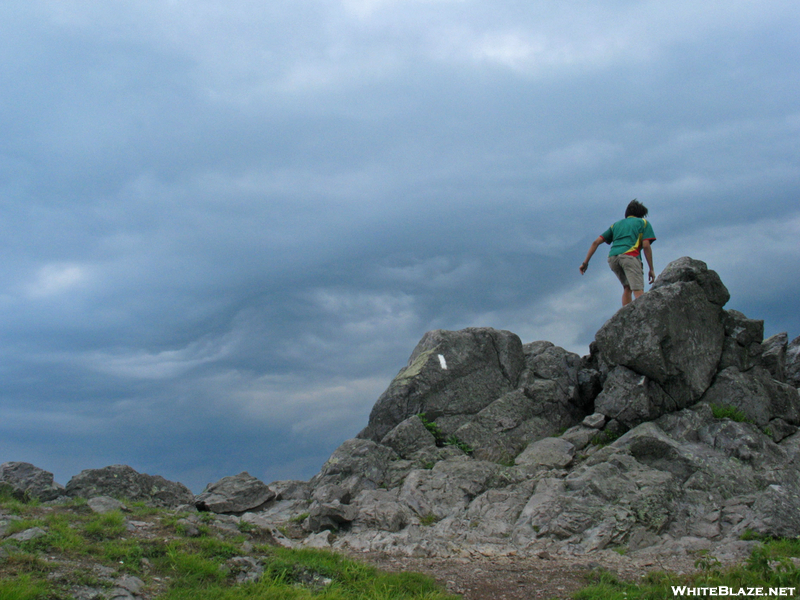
235	494
246	569
579	436
741	357
321	540
330	492
121	481
773	355
27	481
743	441
554	453
631	398
358	465
449	374
291	490
408	437
793	362
502	430
594	421
329	516
672	334
379	510
105	504
687	269
756	394
29	534
118	594
130	583
776	511
448	487
267	529
778	429
742	330
187	528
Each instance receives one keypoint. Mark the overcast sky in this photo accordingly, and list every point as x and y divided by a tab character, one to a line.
226	224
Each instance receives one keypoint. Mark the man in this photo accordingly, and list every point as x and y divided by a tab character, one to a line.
628	238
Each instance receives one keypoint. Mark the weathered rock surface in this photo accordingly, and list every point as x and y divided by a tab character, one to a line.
121	481
234	495
673	335
450	376
793	362
27	481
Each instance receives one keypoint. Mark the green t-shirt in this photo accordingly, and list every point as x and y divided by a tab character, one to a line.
626	236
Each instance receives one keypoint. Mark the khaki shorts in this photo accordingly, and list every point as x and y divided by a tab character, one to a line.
629	270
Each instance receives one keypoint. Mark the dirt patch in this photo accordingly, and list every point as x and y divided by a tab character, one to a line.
517	578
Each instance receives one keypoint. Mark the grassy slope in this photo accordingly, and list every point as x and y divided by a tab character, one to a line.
82	549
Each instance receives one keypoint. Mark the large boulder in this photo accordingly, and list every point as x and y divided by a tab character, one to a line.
688	269
357	465
24	481
234	495
450	376
123	482
672	334
631	398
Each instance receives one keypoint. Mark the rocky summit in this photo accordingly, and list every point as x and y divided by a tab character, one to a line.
677	433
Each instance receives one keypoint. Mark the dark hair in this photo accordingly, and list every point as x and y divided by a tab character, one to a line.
636	209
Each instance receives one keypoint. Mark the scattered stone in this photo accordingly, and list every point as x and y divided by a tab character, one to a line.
235	494
318	540
594	421
29	534
246	569
105	504
554	453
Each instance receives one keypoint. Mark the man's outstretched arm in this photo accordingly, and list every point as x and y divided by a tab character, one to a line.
592	249
648	254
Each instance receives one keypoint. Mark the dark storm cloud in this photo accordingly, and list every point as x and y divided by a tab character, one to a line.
226	225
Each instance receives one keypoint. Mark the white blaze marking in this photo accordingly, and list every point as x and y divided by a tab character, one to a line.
443	362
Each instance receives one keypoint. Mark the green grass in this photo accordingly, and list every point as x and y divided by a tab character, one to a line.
196	568
291	574
23	588
723	411
768	567
443	440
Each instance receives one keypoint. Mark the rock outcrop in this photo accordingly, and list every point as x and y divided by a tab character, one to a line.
678	432
121	481
680	428
25	481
